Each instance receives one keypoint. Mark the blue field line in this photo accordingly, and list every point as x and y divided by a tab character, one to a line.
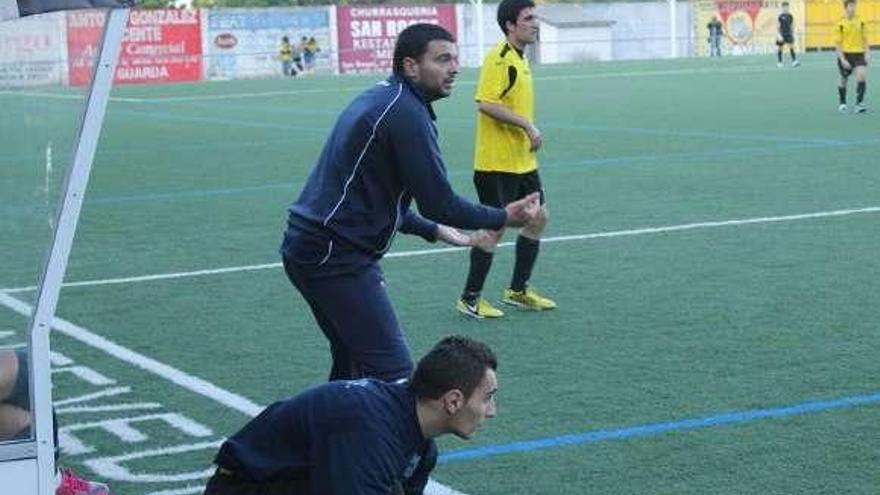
648	430
159	115
202	146
191	194
207	193
461	123
205	146
469	124
686	133
696	134
691	155
153	149
223	121
547	166
289	110
456	123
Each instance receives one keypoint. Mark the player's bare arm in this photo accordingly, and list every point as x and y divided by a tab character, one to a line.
501	113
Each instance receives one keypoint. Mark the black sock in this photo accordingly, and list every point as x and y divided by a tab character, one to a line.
841	91
779	55
793	56
481	262
526	254
860	91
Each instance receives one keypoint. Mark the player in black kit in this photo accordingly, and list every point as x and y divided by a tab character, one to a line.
785	36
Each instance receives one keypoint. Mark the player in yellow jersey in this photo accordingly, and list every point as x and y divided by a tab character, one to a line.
285	54
853	55
506	167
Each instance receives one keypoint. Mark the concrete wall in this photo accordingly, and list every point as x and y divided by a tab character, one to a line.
562	45
640	31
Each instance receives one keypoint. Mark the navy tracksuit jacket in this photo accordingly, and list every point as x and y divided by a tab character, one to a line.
382	155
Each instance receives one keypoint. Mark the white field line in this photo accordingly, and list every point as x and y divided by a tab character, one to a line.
427	252
470	82
245	406
147	278
293	92
66	96
433	488
189	490
241	404
175	376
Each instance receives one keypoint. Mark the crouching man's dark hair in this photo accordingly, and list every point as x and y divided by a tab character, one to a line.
456	362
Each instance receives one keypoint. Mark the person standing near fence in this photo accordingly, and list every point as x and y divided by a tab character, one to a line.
716	32
297	56
310	52
285	54
785	36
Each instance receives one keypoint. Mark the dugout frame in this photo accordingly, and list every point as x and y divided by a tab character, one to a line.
28	467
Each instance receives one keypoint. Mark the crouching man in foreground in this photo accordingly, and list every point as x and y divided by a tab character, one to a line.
362	437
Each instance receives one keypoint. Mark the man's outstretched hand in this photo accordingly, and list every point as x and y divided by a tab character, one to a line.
485	239
524	210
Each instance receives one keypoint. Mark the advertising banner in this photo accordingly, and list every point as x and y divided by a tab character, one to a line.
750	26
158	46
244	43
367	34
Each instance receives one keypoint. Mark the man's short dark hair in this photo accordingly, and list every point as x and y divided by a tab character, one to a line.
847	2
508	11
413	42
456	362
785	4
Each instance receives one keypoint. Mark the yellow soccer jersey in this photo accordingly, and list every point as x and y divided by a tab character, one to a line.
506	79
285	53
850	34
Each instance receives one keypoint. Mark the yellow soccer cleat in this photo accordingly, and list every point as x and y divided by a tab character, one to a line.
482	309
528	299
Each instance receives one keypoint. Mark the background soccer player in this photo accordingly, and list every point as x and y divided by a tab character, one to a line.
505	161
853	54
785	36
716	32
285	54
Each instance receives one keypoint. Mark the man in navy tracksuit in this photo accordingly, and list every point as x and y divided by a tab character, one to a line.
381	155
361	437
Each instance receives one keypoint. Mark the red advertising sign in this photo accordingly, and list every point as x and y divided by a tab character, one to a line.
728	8
158	46
367	34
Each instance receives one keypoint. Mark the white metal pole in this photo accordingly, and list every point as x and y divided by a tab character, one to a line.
478	4
673	29
67	215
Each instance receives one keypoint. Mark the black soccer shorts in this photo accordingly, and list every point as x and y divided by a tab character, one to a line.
498	189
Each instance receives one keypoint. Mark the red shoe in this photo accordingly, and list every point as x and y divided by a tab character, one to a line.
72	484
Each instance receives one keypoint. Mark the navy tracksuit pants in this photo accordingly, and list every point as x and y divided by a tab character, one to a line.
356	315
